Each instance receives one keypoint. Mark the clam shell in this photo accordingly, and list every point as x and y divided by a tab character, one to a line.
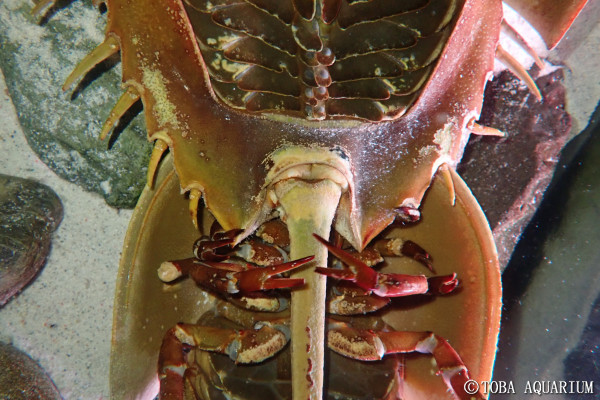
21	378
29	213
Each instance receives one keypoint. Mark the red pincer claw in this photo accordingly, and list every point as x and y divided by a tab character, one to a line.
385	285
264	278
343	274
207	250
216	247
440	285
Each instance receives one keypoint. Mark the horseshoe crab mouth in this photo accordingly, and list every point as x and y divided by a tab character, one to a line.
310	164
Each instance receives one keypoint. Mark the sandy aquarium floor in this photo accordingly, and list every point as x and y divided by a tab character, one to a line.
63	319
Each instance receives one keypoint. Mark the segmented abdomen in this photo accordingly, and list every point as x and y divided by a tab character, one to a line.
320	59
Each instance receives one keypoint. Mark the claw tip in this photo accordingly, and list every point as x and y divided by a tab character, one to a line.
168	272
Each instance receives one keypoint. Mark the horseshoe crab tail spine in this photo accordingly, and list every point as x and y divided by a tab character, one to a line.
195	196
160	146
41	6
308	207
106	49
511	32
482	130
520	72
125	102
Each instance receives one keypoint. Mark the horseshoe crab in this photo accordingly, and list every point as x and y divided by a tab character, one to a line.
325	114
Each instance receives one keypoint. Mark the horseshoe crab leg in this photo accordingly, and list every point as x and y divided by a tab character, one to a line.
370	345
385	285
242	346
231	278
308	207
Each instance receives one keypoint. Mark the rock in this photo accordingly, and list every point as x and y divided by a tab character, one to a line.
550	315
508	176
63	128
29	213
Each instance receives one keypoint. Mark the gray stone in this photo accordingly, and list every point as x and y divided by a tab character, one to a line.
62	128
